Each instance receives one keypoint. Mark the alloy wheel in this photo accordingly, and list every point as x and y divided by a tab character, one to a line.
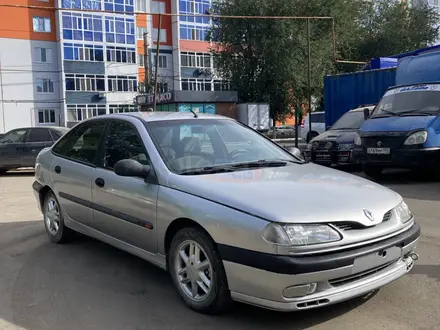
52	216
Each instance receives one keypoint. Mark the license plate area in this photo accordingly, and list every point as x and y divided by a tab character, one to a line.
376	259
378	151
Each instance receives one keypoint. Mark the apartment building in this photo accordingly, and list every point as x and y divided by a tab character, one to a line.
74	59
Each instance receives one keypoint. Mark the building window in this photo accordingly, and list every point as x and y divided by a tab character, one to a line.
193	32
41	24
163	35
121	54
141	5
162	88
194	7
163	64
81	52
121	108
195	60
78	112
222	85
126	6
44	85
193	84
85	82
81	4
158	7
43	55
82	27
46	116
122	84
141	60
120	30
140	31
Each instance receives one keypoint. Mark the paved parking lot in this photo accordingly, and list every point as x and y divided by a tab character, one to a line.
89	285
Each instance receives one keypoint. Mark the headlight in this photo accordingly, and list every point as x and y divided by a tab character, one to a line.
403	212
357	140
346	146
416	138
300	235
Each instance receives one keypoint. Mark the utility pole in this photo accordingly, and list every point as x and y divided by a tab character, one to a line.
146	64
156	65
310	76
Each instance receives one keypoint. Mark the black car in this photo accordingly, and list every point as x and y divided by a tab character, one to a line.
335	146
20	147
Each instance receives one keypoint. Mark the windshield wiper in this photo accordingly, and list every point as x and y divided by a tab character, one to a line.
388	112
421	112
261	163
208	170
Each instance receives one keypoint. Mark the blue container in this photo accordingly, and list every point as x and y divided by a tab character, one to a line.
348	91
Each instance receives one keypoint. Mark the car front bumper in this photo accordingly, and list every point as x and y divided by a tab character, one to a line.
337	277
401	158
326	157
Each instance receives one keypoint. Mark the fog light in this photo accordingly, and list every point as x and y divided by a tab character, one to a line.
299	290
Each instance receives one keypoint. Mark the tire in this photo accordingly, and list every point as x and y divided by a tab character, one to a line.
54	222
3	171
218	297
372	171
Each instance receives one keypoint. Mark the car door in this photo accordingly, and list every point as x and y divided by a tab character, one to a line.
38	139
11	148
73	169
125	207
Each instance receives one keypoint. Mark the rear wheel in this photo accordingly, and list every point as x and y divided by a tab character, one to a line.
54	221
197	271
372	171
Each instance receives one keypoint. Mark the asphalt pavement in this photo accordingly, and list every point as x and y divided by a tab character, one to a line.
89	285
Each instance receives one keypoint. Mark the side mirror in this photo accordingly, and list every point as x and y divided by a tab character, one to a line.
366	113
296	152
131	167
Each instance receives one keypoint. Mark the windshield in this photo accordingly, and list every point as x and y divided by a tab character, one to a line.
16	136
350	120
205	143
411	100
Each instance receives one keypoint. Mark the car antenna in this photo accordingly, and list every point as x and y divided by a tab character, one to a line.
195	115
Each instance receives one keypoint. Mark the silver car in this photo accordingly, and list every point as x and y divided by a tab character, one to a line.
227	212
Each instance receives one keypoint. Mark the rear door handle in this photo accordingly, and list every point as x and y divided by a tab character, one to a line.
100	182
57	169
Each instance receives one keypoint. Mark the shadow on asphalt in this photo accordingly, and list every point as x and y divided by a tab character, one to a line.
90	285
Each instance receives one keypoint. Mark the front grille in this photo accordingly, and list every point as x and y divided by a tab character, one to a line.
356	277
386	142
351	225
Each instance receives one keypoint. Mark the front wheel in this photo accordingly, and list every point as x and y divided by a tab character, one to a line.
197	271
372	171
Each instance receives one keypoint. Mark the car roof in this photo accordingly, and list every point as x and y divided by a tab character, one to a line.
29	127
163	116
370	107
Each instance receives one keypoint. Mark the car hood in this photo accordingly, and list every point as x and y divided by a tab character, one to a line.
396	124
294	193
338	135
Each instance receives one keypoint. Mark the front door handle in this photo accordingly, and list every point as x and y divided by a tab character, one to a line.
57	169
100	182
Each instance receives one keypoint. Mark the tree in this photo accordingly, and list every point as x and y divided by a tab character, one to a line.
389	27
266	59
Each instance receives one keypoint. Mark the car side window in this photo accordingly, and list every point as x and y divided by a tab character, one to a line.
123	142
39	135
15	136
83	144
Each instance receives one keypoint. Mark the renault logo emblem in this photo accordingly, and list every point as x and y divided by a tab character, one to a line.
369	214
379	143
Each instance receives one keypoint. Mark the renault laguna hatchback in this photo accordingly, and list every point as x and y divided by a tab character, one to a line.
203	197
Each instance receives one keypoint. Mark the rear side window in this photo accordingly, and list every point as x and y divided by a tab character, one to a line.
318	118
82	145
39	135
57	133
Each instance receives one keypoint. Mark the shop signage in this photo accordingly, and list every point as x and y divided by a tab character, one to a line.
149	99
